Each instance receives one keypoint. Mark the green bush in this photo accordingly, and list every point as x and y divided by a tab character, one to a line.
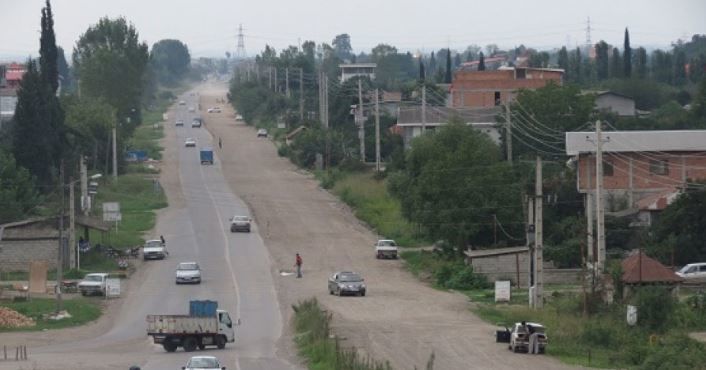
676	352
655	307
457	275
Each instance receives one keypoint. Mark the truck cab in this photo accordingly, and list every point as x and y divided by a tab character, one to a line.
206	155
225	326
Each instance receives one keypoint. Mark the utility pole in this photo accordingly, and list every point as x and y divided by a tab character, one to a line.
377	131
600	217
276	84
361	122
115	153
424	108
326	101
530	244
84	186
301	94
508	132
60	250
72	225
269	72
538	257
590	256
286	81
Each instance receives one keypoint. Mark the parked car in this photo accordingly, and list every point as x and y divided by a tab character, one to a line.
189	142
385	248
191	109
693	271
240	223
238	117
179	123
93	284
262	132
519	337
188	273
203	363
154	249
346	282
214	110
181	102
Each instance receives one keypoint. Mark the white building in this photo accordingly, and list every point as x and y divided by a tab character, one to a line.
409	121
349	71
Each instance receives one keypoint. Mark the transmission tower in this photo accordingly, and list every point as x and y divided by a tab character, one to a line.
588	32
240	51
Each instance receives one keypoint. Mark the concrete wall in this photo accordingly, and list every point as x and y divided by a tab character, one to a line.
17	254
504	267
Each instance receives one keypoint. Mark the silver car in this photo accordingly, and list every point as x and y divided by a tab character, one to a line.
240	223
188	273
346	282
203	363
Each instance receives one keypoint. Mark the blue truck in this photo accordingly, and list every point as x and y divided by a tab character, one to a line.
206	155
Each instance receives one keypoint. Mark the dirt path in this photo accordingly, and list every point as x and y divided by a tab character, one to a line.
401	319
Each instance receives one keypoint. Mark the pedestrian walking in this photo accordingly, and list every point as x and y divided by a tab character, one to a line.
220	143
298	265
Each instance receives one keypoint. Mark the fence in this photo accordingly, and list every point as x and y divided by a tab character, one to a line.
20	353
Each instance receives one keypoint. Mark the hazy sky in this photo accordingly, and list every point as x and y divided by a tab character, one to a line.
209	27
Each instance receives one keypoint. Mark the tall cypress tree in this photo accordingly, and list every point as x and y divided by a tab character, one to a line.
422	74
615	68
481	62
48	53
563	60
447	78
627	55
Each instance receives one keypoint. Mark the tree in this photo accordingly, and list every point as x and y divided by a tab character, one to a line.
457	60
170	59
683	224
699	103
63	69
563	60
472	52
539	59
48	54
641	62
481	62
18	194
575	61
455	184
627	55
447	77
679	67
110	63
432	65
697	68
422	74
602	62
342	46
38	135
90	121
661	66
616	68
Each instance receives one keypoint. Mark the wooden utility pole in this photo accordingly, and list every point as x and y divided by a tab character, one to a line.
538	244
73	257
84	186
115	153
60	249
286	81
508	132
361	121
301	95
377	131
424	108
600	216
321	98
269	72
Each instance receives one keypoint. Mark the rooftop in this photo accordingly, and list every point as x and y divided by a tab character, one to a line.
637	141
639	268
442	115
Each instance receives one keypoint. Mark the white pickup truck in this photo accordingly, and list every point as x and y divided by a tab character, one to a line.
154	249
208	326
93	284
386	248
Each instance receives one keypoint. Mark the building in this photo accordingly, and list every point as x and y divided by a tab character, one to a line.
613	102
390	102
484	89
641	270
491	63
409	121
13	75
349	71
8	102
643	171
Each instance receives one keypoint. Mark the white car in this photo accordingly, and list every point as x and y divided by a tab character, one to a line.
203	363
262	132
179	123
191	109
154	249
188	273
214	110
240	223
93	284
519	336
189	142
693	271
181	102
386	248
238	117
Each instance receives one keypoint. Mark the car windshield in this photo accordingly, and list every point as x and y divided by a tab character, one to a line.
203	363
350	278
188	266
240	218
387	243
153	243
92	278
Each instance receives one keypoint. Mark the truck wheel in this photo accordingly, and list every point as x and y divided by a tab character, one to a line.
168	345
221	342
189	344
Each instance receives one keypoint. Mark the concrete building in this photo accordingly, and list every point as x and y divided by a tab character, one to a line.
8	102
612	102
484	89
409	121
643	171
349	71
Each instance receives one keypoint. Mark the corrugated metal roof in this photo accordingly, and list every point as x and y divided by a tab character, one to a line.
637	141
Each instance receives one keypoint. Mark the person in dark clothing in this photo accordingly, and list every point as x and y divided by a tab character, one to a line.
298	264
161	237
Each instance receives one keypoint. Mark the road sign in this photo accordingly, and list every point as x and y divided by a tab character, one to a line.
111	212
112	287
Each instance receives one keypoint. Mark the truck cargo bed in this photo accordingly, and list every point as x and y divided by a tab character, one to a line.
181	324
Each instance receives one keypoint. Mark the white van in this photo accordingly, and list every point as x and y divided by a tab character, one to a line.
693	271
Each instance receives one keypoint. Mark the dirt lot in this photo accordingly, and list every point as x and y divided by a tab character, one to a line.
401	320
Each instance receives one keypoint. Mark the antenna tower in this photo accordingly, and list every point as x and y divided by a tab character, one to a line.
240	51
588	32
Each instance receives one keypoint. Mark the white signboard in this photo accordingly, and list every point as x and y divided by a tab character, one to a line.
111	212
165	116
502	291
632	315
112	287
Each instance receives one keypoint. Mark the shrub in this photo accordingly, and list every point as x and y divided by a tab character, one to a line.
655	307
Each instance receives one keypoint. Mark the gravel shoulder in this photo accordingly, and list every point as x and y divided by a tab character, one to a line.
401	320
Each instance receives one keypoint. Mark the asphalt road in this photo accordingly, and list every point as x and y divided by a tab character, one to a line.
237	272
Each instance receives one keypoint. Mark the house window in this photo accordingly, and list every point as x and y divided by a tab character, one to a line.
659	167
607	168
497	98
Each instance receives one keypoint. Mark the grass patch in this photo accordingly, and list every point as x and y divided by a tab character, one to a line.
372	204
312	326
82	310
146	137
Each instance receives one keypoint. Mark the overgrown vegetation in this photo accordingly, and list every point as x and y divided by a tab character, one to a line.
313	338
82	311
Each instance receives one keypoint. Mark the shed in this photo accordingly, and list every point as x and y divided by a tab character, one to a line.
639	270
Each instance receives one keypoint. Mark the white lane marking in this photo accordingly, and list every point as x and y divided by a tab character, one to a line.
226	254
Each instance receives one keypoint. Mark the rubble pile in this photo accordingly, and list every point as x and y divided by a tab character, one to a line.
13	319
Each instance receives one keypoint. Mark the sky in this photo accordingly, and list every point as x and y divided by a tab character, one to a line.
210	27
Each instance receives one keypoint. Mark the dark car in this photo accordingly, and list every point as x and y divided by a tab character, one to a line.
346	282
